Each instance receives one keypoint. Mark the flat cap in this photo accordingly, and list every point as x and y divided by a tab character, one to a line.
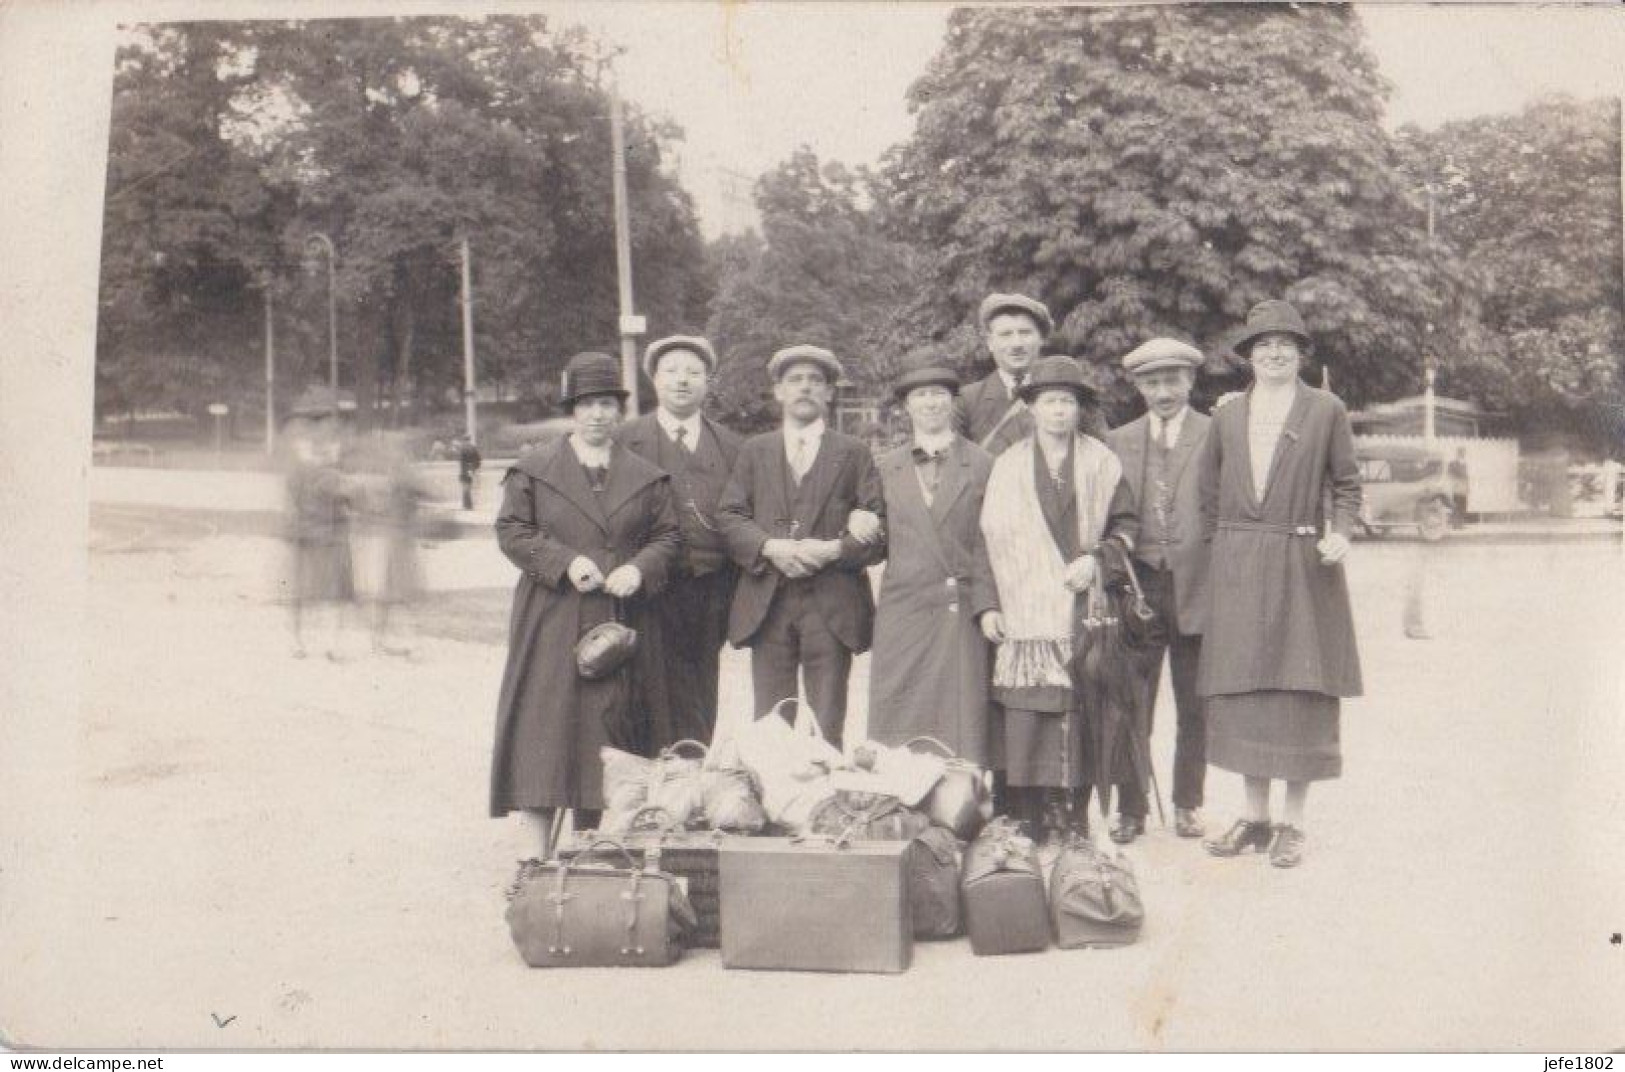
692	343
1161	353
780	362
994	304
929	376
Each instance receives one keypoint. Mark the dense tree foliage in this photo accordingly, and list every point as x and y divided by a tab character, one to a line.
1531	202
1158	169
821	273
396	138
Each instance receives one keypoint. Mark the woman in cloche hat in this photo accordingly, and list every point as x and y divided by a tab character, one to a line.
1279	649
592	529
1051	499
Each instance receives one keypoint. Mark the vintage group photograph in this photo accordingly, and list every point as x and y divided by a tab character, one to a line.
812	526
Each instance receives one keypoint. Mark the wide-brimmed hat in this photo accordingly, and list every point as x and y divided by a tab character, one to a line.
1057	373
701	348
1268	317
780	363
1161	353
926	376
994	304
589	374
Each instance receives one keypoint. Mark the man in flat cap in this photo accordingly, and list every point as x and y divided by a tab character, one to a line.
929	672
698	453
803	604
990	412
1170	556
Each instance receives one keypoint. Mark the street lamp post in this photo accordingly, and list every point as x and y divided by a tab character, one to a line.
326	245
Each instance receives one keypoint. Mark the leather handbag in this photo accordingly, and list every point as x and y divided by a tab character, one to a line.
1003	892
933	884
582	913
605	648
960	801
1094	898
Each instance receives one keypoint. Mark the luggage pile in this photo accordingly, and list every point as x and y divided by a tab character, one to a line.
784	854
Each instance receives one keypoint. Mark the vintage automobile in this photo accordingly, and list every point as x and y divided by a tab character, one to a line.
1405	487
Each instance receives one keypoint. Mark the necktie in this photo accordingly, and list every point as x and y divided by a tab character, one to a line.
682	439
798	458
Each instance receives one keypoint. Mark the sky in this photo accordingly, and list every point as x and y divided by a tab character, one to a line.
751	80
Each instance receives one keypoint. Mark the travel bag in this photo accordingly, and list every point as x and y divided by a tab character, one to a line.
1094	898
1003	893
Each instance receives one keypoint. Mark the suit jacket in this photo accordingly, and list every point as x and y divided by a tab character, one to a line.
701	484
980	407
1187	553
761	502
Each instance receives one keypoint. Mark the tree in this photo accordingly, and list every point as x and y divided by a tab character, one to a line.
821	273
1157	170
1531	203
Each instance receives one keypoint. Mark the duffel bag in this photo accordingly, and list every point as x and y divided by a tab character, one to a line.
585	913
1094	898
1003	891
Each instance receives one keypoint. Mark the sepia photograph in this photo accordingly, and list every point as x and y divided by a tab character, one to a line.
766	525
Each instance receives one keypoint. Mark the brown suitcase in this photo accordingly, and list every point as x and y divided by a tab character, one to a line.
816	904
592	914
1003	893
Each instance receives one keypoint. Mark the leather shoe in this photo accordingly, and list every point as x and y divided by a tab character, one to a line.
1125	828
1187	823
1286	847
1243	836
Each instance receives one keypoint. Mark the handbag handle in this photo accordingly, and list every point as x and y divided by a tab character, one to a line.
592	849
670	823
804	717
947	753
673	749
1141	607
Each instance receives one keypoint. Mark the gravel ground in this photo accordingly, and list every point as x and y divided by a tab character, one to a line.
264	852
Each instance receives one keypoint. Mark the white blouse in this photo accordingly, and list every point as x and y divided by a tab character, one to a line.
1266	418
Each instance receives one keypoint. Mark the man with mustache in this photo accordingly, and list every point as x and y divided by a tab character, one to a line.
803	603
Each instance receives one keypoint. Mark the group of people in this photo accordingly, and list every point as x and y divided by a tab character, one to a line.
996	519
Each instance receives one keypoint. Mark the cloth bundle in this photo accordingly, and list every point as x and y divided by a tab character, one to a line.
791	763
681	791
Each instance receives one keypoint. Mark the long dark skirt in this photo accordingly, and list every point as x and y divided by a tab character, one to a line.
1294	736
1036	748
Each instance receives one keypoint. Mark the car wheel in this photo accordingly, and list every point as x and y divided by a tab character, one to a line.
1433	519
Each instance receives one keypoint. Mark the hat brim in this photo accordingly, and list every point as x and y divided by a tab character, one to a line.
1158	364
1045	324
1244	341
652	361
903	390
832	371
619	392
1085	394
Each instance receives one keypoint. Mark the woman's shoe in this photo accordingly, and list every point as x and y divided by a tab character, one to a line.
1243	835
1286	847
1126	828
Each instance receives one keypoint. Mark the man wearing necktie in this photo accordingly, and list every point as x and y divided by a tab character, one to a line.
1171	559
989	412
799	517
930	670
698	453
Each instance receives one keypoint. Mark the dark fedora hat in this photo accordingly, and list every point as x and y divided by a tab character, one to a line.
1057	373
925	376
1267	318
589	374
1037	311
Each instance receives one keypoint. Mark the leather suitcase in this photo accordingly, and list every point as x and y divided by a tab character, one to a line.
816	905
690	855
1003	893
596	915
1094	899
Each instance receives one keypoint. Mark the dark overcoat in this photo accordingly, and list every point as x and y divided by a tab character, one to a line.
551	723
1186	554
761	502
979	408
929	673
1278	618
703	550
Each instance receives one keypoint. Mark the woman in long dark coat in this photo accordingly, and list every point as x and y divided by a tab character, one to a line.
1051	499
590	525
928	673
1279	651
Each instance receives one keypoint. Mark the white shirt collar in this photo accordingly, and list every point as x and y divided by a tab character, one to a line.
934	444
1010	379
1174	423
811	434
589	456
670	423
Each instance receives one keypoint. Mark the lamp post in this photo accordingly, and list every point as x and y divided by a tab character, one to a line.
326	245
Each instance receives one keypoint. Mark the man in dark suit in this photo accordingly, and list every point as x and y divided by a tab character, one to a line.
989	412
803	603
698	453
1157	453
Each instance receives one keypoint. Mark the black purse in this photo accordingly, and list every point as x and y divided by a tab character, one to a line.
605	648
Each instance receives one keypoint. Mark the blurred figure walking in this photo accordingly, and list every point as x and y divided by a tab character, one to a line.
468	463
319	504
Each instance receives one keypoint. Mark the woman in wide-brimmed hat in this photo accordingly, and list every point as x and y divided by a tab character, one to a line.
592	528
1051	499
1279	650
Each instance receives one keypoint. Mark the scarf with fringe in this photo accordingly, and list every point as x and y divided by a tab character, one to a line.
1034	601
